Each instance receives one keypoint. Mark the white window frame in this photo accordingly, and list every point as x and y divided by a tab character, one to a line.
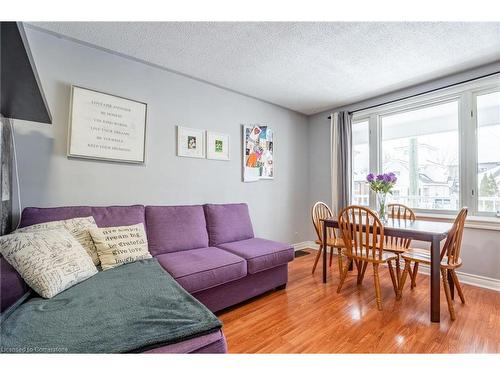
474	157
465	94
358	120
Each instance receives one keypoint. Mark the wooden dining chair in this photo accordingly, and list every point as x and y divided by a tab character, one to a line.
398	245
399	211
363	234
320	211
450	261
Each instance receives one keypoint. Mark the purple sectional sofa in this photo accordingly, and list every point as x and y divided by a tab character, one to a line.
209	250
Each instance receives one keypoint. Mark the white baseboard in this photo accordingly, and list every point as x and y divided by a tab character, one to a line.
305	245
466	278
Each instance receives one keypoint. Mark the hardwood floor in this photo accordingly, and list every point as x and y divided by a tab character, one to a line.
310	317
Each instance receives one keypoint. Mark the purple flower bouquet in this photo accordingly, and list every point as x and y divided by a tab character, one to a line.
382	184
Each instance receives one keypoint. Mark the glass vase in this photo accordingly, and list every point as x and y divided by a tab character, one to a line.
382	207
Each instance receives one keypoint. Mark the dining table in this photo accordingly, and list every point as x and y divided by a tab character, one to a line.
419	230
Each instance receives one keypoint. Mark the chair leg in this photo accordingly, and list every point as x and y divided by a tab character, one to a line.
398	270
359	266
317	258
339	259
331	256
403	279
448	293
377	286
393	277
344	274
410	273
414	276
361	276
360	271
457	285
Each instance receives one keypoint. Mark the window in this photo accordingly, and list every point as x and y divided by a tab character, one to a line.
360	163
488	152
444	147
421	147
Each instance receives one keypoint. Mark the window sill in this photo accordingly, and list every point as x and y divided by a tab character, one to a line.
473	222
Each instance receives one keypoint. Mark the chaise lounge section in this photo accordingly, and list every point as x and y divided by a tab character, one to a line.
210	250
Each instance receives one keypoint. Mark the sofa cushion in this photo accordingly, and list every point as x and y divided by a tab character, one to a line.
175	228
205	268
260	254
228	222
110	216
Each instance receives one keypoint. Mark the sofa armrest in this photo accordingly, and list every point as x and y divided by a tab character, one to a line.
12	286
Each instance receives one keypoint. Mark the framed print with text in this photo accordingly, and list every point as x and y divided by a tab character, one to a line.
106	127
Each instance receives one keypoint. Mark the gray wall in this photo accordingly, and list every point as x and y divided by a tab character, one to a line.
48	178
481	248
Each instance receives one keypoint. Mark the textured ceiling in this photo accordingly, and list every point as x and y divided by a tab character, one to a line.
307	67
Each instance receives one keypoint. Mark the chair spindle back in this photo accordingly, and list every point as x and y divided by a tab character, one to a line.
399	211
362	231
453	243
320	210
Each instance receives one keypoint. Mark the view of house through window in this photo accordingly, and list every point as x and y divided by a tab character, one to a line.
421	147
488	152
360	163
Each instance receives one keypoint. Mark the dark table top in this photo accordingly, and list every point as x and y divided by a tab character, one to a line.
416	229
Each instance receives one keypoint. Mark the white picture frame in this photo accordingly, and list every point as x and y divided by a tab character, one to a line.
258	152
218	146
106	127
190	142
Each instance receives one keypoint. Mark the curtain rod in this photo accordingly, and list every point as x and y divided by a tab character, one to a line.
421	93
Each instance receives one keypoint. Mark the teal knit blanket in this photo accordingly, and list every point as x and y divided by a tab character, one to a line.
131	308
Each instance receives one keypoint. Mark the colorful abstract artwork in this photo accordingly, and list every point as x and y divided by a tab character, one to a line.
258	153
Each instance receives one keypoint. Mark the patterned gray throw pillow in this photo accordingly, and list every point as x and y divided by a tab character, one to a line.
77	227
49	261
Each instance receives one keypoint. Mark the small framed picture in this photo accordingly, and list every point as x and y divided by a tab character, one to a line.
190	142
217	146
